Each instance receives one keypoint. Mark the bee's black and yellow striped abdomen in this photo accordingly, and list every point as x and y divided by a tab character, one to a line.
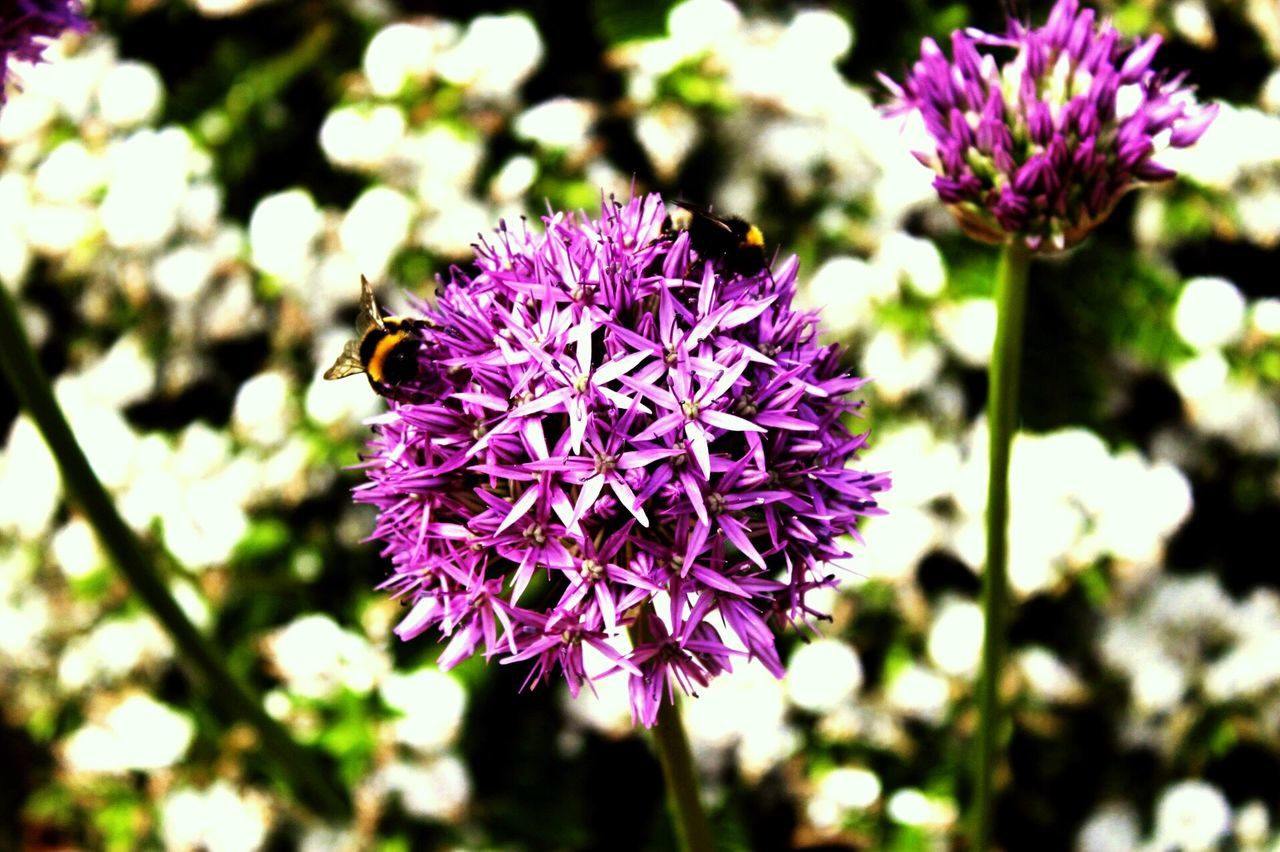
390	354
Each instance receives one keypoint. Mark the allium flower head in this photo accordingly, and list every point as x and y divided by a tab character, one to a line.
1041	147
26	25
613	433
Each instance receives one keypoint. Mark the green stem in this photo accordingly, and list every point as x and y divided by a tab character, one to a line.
299	768
1002	413
683	801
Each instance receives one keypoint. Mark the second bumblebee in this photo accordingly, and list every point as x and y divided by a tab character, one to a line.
734	242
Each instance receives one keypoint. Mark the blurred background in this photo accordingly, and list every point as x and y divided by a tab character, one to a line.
188	197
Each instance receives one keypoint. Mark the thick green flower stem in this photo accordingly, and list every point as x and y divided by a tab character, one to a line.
1002	412
682	783
297	767
678	772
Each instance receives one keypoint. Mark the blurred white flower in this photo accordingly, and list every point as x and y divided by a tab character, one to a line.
69	80
968	327
447	162
27	468
55	229
1202	376
224	8
514	179
25	114
316	657
375	228
847	289
900	367
823	674
282	229
839	792
138	733
333	403
1269	97
561	123
198	213
432	704
148	178
1265	316
747	712
604	705
895	543
438	789
181	275
910	806
914	261
1252	824
262	412
359	137
402	52
494	56
696	25
1112	828
1192	20
919	692
216	819
76	550
131	93
1191	816
453	230
111	650
25	621
1209	313
69	174
955	638
1219	159
1047	676
667	133
123	375
203	525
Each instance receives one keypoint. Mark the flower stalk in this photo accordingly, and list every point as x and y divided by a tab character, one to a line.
684	803
298	767
683	800
1002	412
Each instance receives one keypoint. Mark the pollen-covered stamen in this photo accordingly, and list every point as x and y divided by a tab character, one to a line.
591	570
690	409
605	462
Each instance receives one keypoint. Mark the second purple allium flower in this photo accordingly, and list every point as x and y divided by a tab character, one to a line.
1040	147
611	433
26	26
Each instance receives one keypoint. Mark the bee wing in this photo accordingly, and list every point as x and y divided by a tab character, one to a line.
704	213
348	363
370	315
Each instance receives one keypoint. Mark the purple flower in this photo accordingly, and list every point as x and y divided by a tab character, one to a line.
1041	147
25	25
616	437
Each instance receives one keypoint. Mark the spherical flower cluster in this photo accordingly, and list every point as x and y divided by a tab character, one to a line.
1041	148
25	25
611	435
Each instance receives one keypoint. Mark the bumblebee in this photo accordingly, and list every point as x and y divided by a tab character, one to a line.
387	349
733	241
